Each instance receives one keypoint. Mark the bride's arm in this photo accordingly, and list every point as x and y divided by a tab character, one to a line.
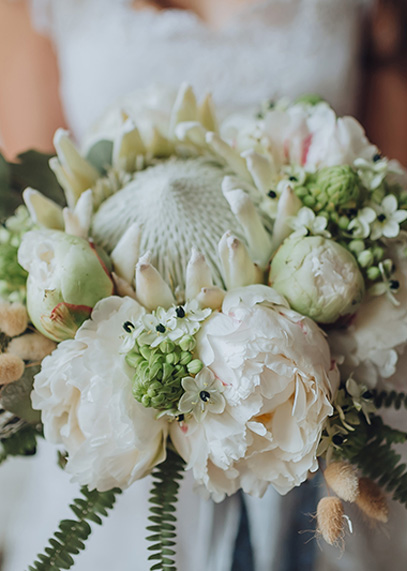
30	109
384	105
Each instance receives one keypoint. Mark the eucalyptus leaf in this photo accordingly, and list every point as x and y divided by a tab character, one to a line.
32	169
100	155
15	397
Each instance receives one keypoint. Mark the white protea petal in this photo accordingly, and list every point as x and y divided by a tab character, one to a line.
261	168
198	275
126	253
192	132
207	115
232	158
122	287
223	251
74	173
127	147
185	107
151	289
258	239
77	221
242	271
159	145
42	210
211	297
288	205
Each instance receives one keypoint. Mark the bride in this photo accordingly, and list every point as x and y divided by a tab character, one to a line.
62	62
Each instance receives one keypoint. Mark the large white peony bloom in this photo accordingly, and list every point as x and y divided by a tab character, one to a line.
84	392
278	378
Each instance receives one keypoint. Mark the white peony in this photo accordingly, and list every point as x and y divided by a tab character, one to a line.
84	392
371	346
278	380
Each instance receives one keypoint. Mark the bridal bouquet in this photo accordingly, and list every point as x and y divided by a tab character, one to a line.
227	299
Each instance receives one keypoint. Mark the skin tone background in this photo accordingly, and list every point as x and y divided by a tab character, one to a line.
30	110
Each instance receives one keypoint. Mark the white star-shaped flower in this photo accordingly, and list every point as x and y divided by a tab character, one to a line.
203	394
306	222
359	227
388	218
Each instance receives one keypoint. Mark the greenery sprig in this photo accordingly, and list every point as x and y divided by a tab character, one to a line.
70	538
20	443
390	399
164	495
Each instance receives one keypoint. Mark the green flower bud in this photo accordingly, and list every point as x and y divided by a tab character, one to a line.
187	343
373	273
343	222
134	359
194	367
310	99
172	358
356	246
318	277
186	357
67	277
167	346
334	188
365	258
378	253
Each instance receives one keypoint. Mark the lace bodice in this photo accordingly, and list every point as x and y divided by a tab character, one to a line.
270	48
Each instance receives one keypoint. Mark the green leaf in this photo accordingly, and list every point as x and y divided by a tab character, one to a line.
32	169
100	155
16	398
71	535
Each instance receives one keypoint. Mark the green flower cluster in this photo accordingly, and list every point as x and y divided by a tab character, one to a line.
160	370
331	190
12	276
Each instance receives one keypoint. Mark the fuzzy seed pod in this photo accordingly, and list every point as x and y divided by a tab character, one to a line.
11	368
342	478
13	318
372	501
31	347
330	519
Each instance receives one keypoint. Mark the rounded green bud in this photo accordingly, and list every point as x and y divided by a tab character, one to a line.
343	222
378	253
335	188
366	258
187	343
194	367
373	273
172	358
356	246
186	357
167	346
309	201
134	359
318	277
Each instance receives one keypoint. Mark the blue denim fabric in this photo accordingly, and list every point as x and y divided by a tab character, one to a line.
243	553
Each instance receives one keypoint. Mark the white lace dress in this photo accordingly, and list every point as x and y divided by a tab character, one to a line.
105	50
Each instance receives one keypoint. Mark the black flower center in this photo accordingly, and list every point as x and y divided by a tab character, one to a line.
128	326
180	311
160	328
381	217
204	395
272	193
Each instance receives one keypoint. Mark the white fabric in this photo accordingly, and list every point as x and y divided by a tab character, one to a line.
105	50
268	49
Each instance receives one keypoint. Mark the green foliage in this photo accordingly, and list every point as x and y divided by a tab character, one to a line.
30	169
16	397
163	499
23	442
371	449
70	538
390	399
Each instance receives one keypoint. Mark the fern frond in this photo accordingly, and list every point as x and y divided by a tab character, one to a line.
390	399
70	538
371	449
164	495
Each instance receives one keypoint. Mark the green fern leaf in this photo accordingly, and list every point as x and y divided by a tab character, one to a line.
70	538
164	495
